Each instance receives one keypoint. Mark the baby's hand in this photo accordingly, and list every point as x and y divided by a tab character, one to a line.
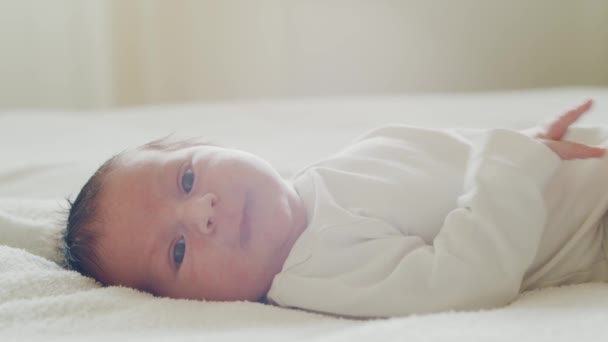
552	135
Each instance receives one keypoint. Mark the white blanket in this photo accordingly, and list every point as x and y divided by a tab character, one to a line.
46	156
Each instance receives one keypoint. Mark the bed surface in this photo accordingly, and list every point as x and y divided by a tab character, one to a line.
45	156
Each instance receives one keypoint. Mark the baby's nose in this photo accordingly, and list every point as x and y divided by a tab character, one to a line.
200	212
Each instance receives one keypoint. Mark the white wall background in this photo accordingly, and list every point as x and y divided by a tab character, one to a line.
95	53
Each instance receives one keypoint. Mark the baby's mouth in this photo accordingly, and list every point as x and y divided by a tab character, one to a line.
245	227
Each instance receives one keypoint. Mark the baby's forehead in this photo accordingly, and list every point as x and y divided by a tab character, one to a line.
133	177
147	157
144	156
141	165
135	164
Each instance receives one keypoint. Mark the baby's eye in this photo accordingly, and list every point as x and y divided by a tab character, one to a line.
187	180
179	251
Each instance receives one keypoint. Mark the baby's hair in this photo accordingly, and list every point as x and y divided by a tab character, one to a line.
80	245
81	236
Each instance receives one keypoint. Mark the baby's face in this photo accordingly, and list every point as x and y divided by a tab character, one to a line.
200	222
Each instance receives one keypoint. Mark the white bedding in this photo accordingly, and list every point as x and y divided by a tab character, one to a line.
46	156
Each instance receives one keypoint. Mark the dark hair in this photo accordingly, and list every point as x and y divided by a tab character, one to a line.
81	235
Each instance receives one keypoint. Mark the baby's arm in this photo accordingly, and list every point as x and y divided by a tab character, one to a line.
481	254
477	260
485	247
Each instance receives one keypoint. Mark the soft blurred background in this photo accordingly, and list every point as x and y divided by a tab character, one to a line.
92	54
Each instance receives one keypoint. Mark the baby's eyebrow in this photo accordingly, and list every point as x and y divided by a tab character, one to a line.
167	174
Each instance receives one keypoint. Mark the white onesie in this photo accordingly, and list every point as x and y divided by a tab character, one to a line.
409	220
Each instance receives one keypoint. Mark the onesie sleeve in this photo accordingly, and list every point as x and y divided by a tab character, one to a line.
479	257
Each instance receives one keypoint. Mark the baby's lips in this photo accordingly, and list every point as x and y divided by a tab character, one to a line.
245	227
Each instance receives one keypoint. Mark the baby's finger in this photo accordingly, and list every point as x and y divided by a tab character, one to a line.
567	150
558	128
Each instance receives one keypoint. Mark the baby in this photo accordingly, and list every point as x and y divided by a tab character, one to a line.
405	220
